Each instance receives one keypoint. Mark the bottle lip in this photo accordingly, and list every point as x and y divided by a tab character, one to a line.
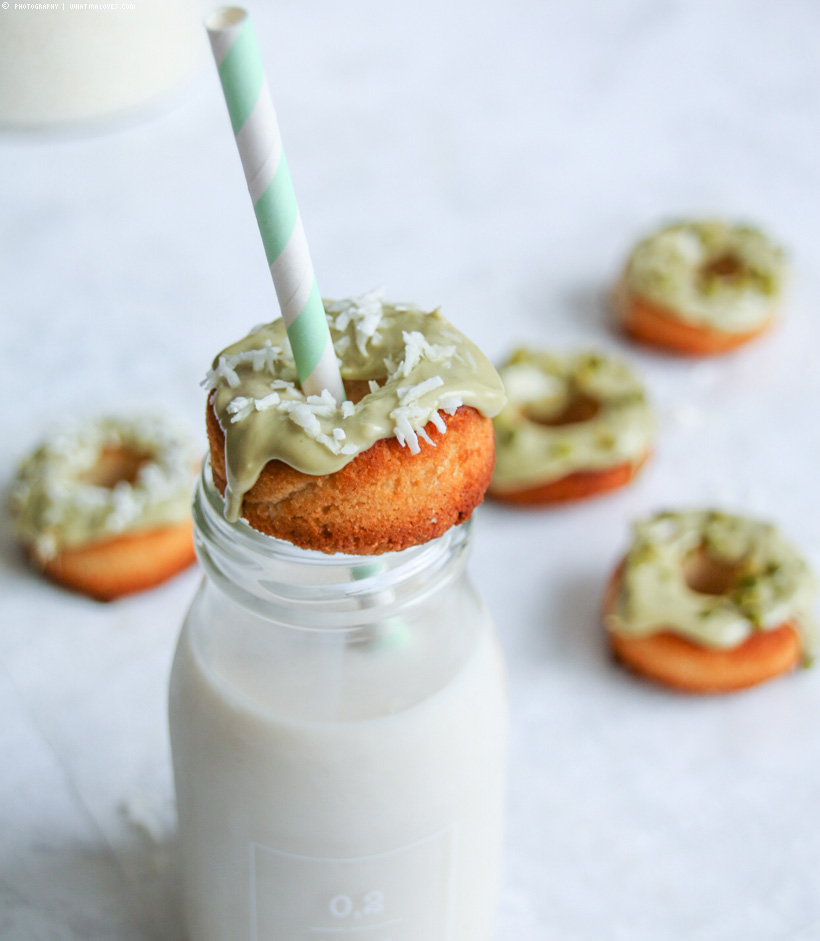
281	581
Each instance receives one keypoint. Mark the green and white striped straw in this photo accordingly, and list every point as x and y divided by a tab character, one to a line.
393	632
256	129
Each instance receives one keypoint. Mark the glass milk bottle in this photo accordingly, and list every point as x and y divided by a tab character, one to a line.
338	736
64	63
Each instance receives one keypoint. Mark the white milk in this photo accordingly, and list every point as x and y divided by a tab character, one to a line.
336	785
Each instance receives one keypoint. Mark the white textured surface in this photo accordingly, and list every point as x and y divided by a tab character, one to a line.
497	158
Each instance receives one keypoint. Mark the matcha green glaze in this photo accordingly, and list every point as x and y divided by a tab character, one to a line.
55	504
770	583
422	364
711	274
542	386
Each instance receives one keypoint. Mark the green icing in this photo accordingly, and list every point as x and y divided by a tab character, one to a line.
768	582
422	364
712	274
541	387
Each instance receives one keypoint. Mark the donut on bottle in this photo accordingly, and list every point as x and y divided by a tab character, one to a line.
710	602
575	425
408	454
701	288
103	507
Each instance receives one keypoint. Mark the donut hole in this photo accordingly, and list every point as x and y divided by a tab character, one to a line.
727	266
577	409
114	466
707	575
357	389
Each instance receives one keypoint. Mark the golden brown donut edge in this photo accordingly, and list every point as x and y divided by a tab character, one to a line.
384	500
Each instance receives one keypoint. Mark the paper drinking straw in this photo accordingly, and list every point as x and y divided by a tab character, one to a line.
256	129
391	633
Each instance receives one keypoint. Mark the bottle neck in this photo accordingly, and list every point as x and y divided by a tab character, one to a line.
281	582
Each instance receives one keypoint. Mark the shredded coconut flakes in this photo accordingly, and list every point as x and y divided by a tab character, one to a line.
365	313
416	347
240	408
265	357
266	402
451	404
409	394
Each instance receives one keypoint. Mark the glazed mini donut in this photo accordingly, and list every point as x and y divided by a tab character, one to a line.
575	425
385	499
407	456
709	602
104	507
701	288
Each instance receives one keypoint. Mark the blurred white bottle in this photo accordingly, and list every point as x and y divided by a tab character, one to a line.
67	62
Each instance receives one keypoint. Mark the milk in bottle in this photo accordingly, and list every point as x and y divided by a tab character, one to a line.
338	729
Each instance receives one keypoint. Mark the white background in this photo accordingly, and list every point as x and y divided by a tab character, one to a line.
497	158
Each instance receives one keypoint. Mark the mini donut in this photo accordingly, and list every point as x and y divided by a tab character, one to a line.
701	288
708	602
104	507
407	456
385	499
575	425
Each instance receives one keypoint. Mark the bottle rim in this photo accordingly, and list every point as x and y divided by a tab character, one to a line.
283	582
